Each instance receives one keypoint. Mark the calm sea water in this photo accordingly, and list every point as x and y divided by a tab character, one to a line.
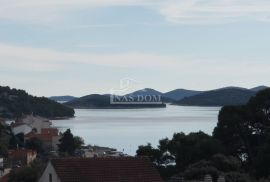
126	129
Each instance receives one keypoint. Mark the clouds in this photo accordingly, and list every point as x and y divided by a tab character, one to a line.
13	57
44	59
215	11
45	71
174	11
49	11
96	41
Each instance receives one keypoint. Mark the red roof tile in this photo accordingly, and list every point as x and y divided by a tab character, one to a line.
42	137
19	153
52	131
46	134
126	169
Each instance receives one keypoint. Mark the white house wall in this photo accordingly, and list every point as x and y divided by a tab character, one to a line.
25	129
49	170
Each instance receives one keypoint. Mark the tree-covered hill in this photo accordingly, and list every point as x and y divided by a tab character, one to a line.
61	99
219	97
179	94
14	103
96	101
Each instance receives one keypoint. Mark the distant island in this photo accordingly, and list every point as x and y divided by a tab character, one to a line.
15	103
183	97
96	101
65	98
167	97
219	97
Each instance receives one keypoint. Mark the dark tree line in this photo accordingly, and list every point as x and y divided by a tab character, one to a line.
69	143
246	132
239	148
15	102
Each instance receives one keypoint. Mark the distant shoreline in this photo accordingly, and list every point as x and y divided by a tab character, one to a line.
124	107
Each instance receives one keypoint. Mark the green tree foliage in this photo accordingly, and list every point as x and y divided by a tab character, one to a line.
192	147
183	149
149	151
226	163
27	174
155	155
237	177
69	143
96	101
218	165
239	148
35	144
24	174
78	141
246	130
5	135
219	97
16	141
262	161
232	131
163	144
200	169
14	103
3	150
13	142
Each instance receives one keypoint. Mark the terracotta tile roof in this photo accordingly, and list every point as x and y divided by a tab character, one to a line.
126	169
52	131
42	137
19	153
46	134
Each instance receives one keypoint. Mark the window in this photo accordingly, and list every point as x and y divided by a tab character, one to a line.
50	177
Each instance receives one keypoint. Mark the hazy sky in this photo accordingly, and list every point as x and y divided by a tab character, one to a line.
79	47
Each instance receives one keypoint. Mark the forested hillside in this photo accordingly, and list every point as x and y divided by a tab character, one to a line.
14	103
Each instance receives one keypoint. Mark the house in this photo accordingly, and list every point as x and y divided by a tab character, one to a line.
18	128
49	136
37	127
126	169
97	151
35	122
21	157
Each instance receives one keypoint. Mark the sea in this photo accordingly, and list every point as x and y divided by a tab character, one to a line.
126	129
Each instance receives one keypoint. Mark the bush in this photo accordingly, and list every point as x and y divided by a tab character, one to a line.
237	177
27	174
200	169
226	163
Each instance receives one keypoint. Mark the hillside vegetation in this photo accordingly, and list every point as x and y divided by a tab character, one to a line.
220	97
14	103
237	151
64	98
97	101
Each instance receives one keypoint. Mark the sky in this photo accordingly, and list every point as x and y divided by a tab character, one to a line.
80	47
